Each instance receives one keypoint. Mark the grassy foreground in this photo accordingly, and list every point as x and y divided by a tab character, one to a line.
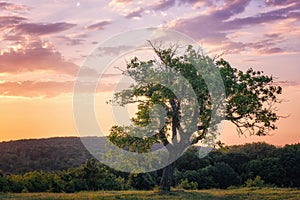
230	194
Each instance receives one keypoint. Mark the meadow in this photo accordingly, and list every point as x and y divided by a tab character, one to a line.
213	194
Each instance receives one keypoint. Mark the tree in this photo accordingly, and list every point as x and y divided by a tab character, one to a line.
36	181
290	161
3	182
141	181
190	160
223	175
164	83
257	150
235	160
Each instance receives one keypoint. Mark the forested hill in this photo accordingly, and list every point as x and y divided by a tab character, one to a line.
43	154
51	154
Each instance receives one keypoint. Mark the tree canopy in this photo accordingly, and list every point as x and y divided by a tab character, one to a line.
182	98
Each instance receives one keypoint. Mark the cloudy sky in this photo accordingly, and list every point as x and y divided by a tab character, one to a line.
44	43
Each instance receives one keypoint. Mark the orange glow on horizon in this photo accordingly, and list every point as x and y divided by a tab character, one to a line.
51	117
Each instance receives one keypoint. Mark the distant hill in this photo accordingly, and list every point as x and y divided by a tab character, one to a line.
51	154
42	154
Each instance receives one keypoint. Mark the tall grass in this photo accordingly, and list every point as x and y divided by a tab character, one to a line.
214	194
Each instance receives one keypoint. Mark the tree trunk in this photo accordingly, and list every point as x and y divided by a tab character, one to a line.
167	177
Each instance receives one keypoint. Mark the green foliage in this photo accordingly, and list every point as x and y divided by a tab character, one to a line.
250	98
141	181
205	180
219	176
248	94
120	137
35	181
97	176
290	162
257	150
269	169
235	160
16	183
189	175
3	182
190	160
185	184
257	182
222	169
223	175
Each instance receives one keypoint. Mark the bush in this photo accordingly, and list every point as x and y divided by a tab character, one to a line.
185	184
223	175
257	182
141	181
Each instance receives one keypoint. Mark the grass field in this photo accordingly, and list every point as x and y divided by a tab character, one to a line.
230	194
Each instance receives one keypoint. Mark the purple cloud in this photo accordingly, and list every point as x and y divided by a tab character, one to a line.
36	57
13	7
280	2
230	9
271	50
164	5
10	21
72	41
43	29
273	35
215	26
211	27
278	14
98	25
113	50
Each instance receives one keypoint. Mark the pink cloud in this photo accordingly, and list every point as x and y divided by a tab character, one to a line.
280	2
10	21
215	26
71	41
135	13
47	89
13	7
43	29
35	56
35	89
164	4
117	3
99	25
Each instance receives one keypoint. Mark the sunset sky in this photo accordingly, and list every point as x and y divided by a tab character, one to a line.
44	43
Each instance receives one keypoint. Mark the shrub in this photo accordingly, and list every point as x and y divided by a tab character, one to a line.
257	182
185	184
141	181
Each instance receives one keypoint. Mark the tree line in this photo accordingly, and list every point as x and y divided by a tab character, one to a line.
256	164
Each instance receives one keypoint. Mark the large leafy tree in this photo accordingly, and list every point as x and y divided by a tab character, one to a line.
248	102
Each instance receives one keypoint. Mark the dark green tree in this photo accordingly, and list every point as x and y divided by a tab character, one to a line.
36	181
4	187
141	181
258	150
223	175
190	160
290	161
98	177
235	160
248	101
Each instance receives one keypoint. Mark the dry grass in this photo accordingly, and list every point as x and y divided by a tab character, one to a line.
214	194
